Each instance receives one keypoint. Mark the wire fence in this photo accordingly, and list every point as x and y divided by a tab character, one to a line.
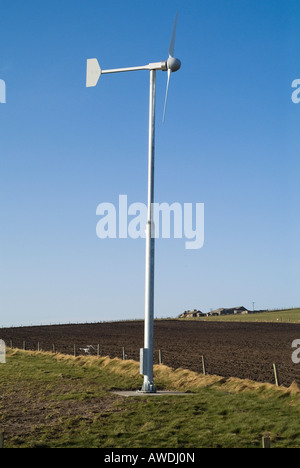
161	356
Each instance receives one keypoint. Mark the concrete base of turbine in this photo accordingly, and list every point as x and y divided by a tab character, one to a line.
148	387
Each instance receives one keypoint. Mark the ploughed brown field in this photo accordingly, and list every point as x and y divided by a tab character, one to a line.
244	350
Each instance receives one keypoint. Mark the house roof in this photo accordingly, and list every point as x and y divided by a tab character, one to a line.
221	309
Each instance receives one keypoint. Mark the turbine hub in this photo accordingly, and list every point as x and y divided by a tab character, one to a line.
173	64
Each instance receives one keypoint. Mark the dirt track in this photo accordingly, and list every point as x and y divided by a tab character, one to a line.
245	350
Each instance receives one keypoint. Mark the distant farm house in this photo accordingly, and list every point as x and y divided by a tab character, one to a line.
192	314
232	311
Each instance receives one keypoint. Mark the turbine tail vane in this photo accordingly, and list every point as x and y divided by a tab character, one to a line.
93	72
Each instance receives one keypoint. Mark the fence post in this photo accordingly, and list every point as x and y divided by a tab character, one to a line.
1	439
266	442
160	360
204	365
24	345
38	346
276	375
98	350
53	348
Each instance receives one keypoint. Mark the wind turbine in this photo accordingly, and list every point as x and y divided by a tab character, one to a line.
93	74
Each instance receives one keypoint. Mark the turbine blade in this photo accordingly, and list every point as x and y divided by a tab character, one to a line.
172	43
169	74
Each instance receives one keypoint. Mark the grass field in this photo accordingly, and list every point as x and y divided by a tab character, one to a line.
281	316
58	401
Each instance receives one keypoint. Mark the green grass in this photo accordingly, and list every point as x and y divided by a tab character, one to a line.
57	401
278	316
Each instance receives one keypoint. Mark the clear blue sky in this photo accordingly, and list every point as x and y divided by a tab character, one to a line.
231	140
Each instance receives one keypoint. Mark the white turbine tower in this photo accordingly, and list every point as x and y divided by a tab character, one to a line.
170	65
